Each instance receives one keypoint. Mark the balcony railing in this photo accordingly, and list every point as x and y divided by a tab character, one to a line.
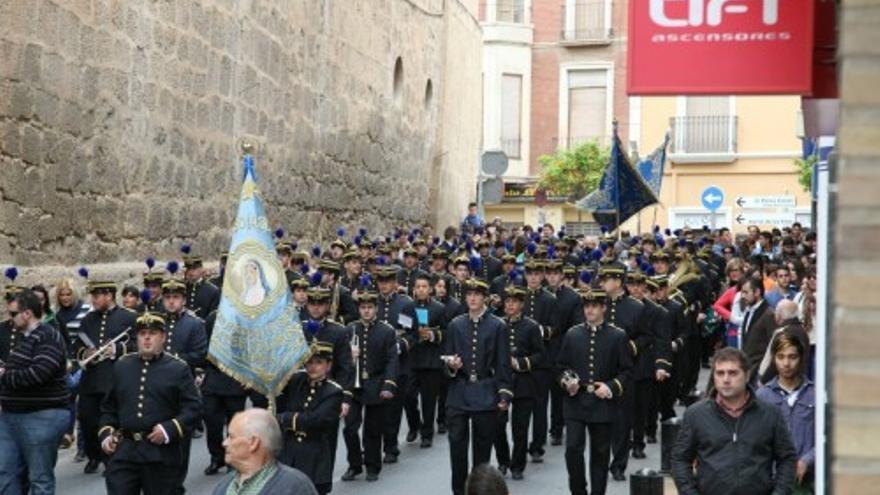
512	147
712	134
586	21
512	11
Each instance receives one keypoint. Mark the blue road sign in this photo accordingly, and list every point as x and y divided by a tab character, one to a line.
712	197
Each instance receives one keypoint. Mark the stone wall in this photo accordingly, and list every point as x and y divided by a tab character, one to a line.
855	266
119	120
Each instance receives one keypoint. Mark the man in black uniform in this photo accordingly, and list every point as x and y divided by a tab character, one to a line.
595	359
105	322
308	413
351	264
540	305
656	289
647	371
185	333
490	266
374	349
153	281
478	364
319	328
223	398
499	284
526	348
221	272
397	311
152	406
625	313
202	296
569	312
406	276
342	308
424	357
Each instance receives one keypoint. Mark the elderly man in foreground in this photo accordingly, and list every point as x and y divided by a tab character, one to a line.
254	441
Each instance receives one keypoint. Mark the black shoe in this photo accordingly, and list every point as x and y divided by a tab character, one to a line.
556	441
502	469
411	436
617	475
372	476
390	459
652	439
638	453
214	468
92	466
352	473
426	443
441	428
517	475
537	457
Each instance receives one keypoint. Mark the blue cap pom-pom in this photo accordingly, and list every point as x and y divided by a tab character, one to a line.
410	238
682	242
436	240
172	267
357	241
387	239
603	246
362	232
381	260
586	277
656	229
146	296
705	228
279	233
475	263
340	232
604	229
151	262
659	240
667	232
304	268
650	271
508	246
316	250
468	245
678	232
374	244
294	245
644	267
532	247
315	279
12	273
700	244
597	254
312	327
83	272
365	280
185	249
634	241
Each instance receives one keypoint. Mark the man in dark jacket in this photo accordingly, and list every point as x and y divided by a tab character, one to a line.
741	445
759	322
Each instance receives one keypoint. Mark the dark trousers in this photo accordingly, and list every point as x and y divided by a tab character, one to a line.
621	428
692	349
411	403
557	422
89	414
441	403
373	418
600	452
132	478
430	384
666	395
520	414
644	405
543	379
460	423
395	415
219	410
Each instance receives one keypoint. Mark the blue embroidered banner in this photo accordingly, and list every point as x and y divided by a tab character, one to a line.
621	193
651	168
257	338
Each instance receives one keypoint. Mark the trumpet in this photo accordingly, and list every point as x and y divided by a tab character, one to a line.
99	355
355	344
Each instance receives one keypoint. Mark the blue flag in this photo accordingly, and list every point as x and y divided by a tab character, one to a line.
257	338
651	168
621	193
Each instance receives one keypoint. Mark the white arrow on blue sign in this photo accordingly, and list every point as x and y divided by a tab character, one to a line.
712	197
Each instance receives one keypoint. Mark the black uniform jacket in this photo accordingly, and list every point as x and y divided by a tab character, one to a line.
308	412
485	378
202	297
425	353
143	394
100	327
527	348
378	364
342	372
186	338
597	355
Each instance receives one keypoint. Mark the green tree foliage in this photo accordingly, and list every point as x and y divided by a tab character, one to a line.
805	171
574	172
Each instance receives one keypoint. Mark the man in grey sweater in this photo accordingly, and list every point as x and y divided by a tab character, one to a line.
254	441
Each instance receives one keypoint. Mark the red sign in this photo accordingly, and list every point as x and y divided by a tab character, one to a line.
720	47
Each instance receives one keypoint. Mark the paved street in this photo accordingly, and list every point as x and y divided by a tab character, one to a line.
429	468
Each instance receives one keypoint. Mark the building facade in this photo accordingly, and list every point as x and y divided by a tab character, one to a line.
554	76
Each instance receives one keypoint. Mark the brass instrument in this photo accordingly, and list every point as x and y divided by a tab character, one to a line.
356	344
99	354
